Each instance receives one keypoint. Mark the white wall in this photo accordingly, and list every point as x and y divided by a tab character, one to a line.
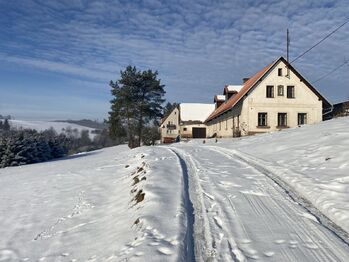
305	101
245	113
173	118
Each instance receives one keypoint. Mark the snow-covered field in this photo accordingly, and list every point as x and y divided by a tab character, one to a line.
313	160
59	127
108	205
282	196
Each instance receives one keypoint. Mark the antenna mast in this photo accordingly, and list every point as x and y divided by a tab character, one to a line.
287	52
288	46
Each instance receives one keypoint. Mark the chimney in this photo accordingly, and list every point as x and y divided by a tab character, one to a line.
244	80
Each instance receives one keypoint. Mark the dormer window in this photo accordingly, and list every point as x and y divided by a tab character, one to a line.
279	71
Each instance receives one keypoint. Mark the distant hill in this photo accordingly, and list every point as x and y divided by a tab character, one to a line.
85	122
5	117
59	127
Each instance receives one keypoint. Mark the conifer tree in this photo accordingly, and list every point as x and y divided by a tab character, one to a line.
138	98
6	125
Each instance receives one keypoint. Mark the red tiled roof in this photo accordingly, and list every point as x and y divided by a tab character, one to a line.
234	99
253	80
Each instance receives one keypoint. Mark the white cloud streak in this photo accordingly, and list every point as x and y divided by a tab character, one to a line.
197	46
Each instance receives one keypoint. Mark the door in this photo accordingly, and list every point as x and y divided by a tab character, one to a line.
199	132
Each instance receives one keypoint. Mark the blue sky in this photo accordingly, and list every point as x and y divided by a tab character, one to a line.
57	57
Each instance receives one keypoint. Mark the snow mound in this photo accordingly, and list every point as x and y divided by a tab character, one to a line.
114	204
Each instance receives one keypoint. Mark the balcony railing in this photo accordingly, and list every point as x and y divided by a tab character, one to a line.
171	126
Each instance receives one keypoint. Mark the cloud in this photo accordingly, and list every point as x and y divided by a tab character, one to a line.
197	46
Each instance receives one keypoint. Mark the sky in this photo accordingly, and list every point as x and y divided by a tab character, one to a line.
58	57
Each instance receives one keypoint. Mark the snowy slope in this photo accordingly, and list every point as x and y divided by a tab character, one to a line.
243	215
281	196
91	207
313	159
44	125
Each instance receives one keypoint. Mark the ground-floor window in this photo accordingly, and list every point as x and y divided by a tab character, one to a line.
262	119
282	119
302	118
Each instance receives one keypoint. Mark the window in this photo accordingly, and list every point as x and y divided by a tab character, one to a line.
280	90
282	119
226	124
290	92
302	118
171	126
262	119
270	91
184	129
279	71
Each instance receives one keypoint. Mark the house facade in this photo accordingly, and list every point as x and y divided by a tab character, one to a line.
186	121
275	98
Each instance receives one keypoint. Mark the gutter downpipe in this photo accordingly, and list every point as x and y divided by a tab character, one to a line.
330	111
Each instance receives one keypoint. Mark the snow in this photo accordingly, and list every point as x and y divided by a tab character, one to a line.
220	97
236	88
241	214
44	125
88	207
312	159
195	111
281	196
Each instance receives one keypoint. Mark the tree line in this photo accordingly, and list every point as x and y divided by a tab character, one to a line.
26	146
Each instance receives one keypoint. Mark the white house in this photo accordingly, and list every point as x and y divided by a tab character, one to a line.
276	97
186	121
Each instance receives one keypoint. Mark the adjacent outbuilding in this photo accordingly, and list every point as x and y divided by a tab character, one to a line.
186	121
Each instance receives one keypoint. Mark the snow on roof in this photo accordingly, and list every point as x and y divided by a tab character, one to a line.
195	111
236	88
220	97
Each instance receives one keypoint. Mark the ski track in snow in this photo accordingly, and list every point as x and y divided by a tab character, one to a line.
189	248
260	222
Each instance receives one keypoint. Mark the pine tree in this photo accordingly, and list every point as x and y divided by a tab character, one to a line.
168	108
3	147
138	97
6	125
123	111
